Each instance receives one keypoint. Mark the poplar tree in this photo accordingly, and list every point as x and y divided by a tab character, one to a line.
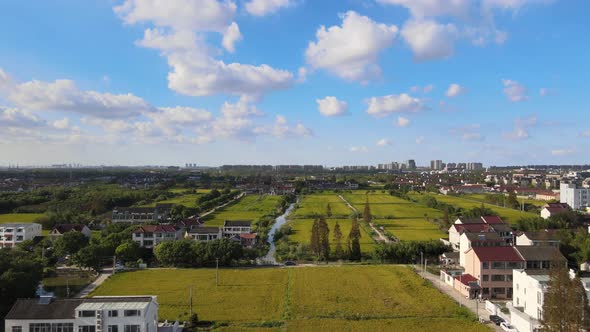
354	245
367	212
315	238
324	239
328	210
338	251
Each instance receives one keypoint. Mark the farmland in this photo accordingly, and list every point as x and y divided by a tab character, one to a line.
305	298
251	207
482	198
509	215
406	220
19	217
301	229
316	204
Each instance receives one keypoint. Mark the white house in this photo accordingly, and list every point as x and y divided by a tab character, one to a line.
149	236
204	234
13	234
61	229
233	228
529	288
97	314
547	237
552	209
576	198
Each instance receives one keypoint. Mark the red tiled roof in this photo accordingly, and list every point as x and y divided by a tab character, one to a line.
472	228
556	209
156	229
465	279
63	228
492	219
497	254
557	205
248	236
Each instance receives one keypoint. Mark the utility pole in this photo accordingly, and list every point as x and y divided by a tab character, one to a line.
114	263
421	259
67	288
191	300
216	272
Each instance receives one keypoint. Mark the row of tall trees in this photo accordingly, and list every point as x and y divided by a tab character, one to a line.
320	241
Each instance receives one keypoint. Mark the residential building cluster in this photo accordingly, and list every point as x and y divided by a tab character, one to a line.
439	165
12	234
395	166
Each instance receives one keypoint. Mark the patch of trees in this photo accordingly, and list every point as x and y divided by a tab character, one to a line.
407	252
215	198
189	253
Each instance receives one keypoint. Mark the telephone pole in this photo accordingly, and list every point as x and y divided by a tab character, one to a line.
216	272
191	300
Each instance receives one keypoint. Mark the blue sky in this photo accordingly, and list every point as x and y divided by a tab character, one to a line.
212	82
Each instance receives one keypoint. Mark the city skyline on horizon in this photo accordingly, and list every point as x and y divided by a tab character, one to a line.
129	82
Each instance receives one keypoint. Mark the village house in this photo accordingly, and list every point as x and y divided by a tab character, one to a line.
248	240
466	285
527	303
547	237
233	228
485	224
482	239
205	234
112	314
553	209
159	213
12	234
61	229
149	236
538	258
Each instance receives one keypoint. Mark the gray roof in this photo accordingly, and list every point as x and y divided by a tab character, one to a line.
204	230
539	253
237	223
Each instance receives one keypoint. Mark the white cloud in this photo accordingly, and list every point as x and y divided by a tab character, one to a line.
351	51
468	133
425	89
231	35
545	92
266	7
402	122
455	90
64	95
301	75
201	15
521	126
420	140
562	152
385	105
384	142
430	40
282	129
331	106
358	149
432	8
514	91
18	118
61	124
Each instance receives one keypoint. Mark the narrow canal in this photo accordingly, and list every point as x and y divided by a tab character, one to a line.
269	259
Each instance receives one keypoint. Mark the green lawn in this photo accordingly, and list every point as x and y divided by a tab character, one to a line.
508	215
317	203
250	207
482	198
406	220
333	298
19	217
188	200
302	232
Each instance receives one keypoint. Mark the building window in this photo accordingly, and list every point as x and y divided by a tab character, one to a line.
132	328
86	313
499	290
498	265
131	313
497	277
113	328
40	327
62	327
486	291
486	265
86	328
17	329
113	313
486	277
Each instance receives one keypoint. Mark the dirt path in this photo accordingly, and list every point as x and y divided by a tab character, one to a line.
380	236
97	282
222	205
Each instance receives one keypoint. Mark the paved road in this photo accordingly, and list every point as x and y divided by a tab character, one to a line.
380	236
470	304
104	275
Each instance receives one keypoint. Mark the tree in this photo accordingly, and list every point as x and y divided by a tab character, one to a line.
70	243
128	251
338	251
354	245
565	306
512	201
315	238
367	212
89	257
324	238
328	210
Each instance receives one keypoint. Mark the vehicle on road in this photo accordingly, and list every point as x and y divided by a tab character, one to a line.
496	319
507	327
290	263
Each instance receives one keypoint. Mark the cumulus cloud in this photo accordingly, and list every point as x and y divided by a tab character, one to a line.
455	90
266	7
351	51
514	91
361	148
282	129
468	133
331	106
562	152
231	36
422	89
18	118
385	105
402	122
384	142
521	126
432	8
430	40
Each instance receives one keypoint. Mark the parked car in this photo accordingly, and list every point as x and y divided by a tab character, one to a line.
507	327
290	263
496	319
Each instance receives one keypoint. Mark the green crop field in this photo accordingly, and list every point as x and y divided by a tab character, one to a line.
333	298
188	200
19	217
405	220
302	232
508	215
317	203
482	198
250	207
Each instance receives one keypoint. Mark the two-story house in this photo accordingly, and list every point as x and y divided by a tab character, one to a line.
538	258
547	237
526	310
204	234
12	234
61	229
159	213
149	236
552	209
233	228
482	239
97	314
493	266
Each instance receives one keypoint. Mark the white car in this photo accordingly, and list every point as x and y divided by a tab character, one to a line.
507	327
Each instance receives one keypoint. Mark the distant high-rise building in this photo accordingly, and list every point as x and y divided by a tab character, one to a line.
474	166
575	197
461	165
411	164
436	165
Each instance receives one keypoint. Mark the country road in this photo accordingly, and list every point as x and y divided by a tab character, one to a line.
380	236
